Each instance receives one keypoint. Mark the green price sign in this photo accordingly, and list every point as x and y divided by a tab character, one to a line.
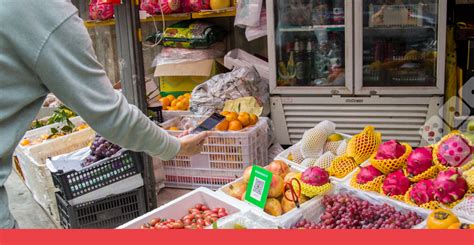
258	187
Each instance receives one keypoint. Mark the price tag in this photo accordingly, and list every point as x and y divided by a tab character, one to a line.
258	187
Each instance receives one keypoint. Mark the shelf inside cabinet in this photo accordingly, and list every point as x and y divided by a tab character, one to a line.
399	32
312	28
228	12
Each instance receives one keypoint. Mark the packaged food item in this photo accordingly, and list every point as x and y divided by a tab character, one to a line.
161	6
195	5
100	11
192	34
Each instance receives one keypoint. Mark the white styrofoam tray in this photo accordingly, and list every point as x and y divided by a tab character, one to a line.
178	208
304	207
249	219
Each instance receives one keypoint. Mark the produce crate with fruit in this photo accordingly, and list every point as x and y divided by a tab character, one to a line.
345	208
225	155
307	185
32	161
95	172
108	212
175	106
195	210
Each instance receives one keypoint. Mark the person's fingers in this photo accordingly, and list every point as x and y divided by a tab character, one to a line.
184	133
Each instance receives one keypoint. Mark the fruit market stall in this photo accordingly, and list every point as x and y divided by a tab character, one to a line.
349	182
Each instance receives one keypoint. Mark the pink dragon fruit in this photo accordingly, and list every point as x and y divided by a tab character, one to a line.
396	184
367	174
450	186
422	192
100	11
315	176
455	151
419	160
390	150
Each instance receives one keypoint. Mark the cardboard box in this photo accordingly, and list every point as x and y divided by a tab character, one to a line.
183	77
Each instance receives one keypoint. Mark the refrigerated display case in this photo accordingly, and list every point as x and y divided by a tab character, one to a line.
357	63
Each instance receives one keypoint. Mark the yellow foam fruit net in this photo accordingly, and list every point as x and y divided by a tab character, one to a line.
342	166
468	166
428	174
311	190
332	146
469	176
432	205
341	150
313	140
325	160
387	166
440	166
364	144
373	185
400	198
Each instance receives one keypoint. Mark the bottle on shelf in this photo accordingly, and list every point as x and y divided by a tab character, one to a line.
338	12
321	61
299	63
309	62
320	13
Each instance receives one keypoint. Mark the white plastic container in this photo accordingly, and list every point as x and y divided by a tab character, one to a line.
308	206
178	208
32	161
224	157
315	213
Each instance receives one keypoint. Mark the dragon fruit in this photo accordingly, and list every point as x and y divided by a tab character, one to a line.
422	192
367	174
455	151
315	176
450	186
419	160
396	184
390	150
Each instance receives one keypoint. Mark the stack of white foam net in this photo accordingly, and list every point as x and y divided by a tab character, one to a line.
313	141
466	208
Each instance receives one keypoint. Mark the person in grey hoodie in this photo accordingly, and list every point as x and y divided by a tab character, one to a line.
44	47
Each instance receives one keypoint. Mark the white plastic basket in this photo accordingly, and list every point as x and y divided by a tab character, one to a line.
37	176
283	156
224	158
315	213
308	206
178	208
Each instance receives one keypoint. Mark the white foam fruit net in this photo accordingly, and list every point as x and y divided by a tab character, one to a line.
466	208
332	146
314	139
309	162
296	154
341	149
325	160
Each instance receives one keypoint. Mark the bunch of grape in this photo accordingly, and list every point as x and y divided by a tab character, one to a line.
344	211
101	149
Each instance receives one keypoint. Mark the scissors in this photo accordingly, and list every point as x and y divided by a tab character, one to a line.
295	196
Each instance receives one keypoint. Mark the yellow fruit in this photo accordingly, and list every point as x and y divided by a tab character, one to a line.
25	142
173	129
165	101
273	207
235	125
244	118
181	97
220	4
187	95
181	106
253	119
232	116
171	97
223	126
225	113
334	138
174	102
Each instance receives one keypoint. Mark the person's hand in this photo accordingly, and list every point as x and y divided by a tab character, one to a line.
192	144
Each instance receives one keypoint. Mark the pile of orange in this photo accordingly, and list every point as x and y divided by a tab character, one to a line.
236	121
171	103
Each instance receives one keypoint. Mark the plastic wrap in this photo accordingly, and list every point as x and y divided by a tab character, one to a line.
182	55
210	96
248	13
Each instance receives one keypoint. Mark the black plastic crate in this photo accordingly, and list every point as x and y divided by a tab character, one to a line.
74	184
109	212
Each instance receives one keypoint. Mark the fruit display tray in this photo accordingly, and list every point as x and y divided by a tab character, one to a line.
224	157
77	184
282	219
107	212
284	157
246	220
315	213
178	208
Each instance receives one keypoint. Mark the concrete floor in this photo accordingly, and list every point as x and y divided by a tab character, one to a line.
30	215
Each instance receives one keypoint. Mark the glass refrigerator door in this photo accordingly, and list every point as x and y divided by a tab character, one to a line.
400	46
310	46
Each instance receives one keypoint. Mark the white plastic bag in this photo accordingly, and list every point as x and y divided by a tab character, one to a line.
248	13
252	33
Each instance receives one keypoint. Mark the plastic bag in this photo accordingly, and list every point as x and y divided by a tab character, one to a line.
248	13
252	33
211	95
100	11
196	5
150	6
192	34
181	55
161	6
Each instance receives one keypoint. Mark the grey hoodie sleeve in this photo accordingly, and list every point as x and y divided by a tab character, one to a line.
68	67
